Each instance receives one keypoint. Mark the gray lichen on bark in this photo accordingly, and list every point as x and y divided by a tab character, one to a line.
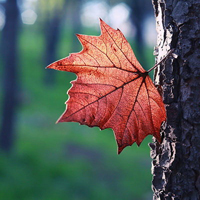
176	161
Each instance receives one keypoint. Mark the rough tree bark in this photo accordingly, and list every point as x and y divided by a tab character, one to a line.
176	161
9	57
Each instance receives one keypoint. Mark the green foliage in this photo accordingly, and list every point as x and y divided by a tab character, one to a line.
64	161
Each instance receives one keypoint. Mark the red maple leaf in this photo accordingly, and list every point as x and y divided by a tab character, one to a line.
112	90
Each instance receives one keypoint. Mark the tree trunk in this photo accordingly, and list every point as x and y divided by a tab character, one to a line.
53	26
75	7
52	33
141	9
176	161
9	57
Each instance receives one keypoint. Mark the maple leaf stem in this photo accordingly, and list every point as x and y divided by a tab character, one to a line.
156	65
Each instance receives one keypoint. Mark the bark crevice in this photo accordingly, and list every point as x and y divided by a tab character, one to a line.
176	161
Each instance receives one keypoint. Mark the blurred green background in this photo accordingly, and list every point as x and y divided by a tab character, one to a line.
41	160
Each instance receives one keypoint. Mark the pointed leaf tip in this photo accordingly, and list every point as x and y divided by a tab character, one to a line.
48	67
57	122
61	119
119	150
51	66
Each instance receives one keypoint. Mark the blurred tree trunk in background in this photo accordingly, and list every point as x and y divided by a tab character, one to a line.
140	10
52	32
52	26
176	161
75	13
9	57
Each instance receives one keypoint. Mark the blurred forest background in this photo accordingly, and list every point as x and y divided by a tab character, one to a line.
40	160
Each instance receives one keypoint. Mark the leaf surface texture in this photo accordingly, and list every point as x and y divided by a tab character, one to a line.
112	90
